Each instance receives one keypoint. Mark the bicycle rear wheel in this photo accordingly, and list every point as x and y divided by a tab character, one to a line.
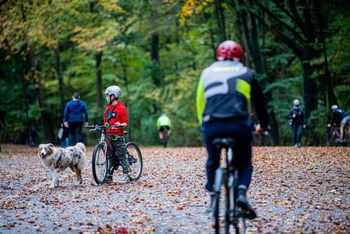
216	211
99	163
165	138
229	203
134	156
219	177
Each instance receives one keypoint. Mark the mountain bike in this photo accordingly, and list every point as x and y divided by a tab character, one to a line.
226	178
332	137
100	163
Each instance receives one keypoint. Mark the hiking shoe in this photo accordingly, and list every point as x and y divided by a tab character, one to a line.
109	179
296	146
125	179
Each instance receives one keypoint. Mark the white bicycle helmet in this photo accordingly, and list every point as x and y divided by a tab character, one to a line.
114	90
334	107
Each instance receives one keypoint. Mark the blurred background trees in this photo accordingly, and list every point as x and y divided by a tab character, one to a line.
155	51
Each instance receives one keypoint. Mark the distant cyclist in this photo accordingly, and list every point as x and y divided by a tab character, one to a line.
164	129
340	118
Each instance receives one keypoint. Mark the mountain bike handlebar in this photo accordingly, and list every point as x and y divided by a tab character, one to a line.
103	128
98	128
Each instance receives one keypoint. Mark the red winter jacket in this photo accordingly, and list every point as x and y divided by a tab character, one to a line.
116	113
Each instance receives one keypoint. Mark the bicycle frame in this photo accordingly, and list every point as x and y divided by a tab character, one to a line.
335	133
227	177
100	168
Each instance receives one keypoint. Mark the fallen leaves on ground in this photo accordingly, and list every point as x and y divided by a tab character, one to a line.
302	190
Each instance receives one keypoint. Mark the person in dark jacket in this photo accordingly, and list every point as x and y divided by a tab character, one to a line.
297	121
75	113
223	93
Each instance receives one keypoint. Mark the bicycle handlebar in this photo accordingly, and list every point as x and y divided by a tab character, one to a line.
96	127
101	128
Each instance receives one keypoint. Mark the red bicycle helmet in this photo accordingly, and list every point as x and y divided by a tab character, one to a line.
229	50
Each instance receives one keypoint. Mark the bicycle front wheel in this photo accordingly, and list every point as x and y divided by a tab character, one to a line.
331	139
134	156
99	163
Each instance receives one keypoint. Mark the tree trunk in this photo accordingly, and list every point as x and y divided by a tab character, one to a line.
98	59
220	18
155	59
310	95
45	116
251	42
60	79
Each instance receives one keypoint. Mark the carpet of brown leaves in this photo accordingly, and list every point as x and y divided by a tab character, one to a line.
302	190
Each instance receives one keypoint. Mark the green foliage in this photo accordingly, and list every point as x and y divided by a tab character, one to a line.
188	36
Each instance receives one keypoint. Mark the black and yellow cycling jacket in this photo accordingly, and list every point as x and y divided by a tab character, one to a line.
223	91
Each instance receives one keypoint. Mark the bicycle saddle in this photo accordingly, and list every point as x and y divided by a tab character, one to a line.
224	142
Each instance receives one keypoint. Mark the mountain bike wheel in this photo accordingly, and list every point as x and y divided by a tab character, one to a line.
99	163
331	139
219	177
216	206
134	157
228	203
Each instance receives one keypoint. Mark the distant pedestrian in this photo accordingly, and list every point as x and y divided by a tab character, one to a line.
63	135
75	113
297	121
33	138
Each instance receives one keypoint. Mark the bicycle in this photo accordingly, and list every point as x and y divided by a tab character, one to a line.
165	138
332	136
99	157
226	176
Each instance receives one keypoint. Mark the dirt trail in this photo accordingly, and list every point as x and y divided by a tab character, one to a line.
293	190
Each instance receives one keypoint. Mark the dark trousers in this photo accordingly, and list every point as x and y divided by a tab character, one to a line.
297	132
120	152
241	130
75	135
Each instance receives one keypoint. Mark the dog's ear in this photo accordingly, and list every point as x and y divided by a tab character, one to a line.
51	145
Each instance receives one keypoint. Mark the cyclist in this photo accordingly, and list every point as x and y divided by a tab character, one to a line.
164	127
116	118
223	92
340	118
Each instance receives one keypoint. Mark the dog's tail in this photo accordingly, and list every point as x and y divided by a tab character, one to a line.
81	146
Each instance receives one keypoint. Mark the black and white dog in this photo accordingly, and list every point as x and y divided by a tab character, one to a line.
58	159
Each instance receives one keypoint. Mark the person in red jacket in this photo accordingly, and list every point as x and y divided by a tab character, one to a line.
116	118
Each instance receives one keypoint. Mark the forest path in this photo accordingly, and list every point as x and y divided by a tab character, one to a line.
293	190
